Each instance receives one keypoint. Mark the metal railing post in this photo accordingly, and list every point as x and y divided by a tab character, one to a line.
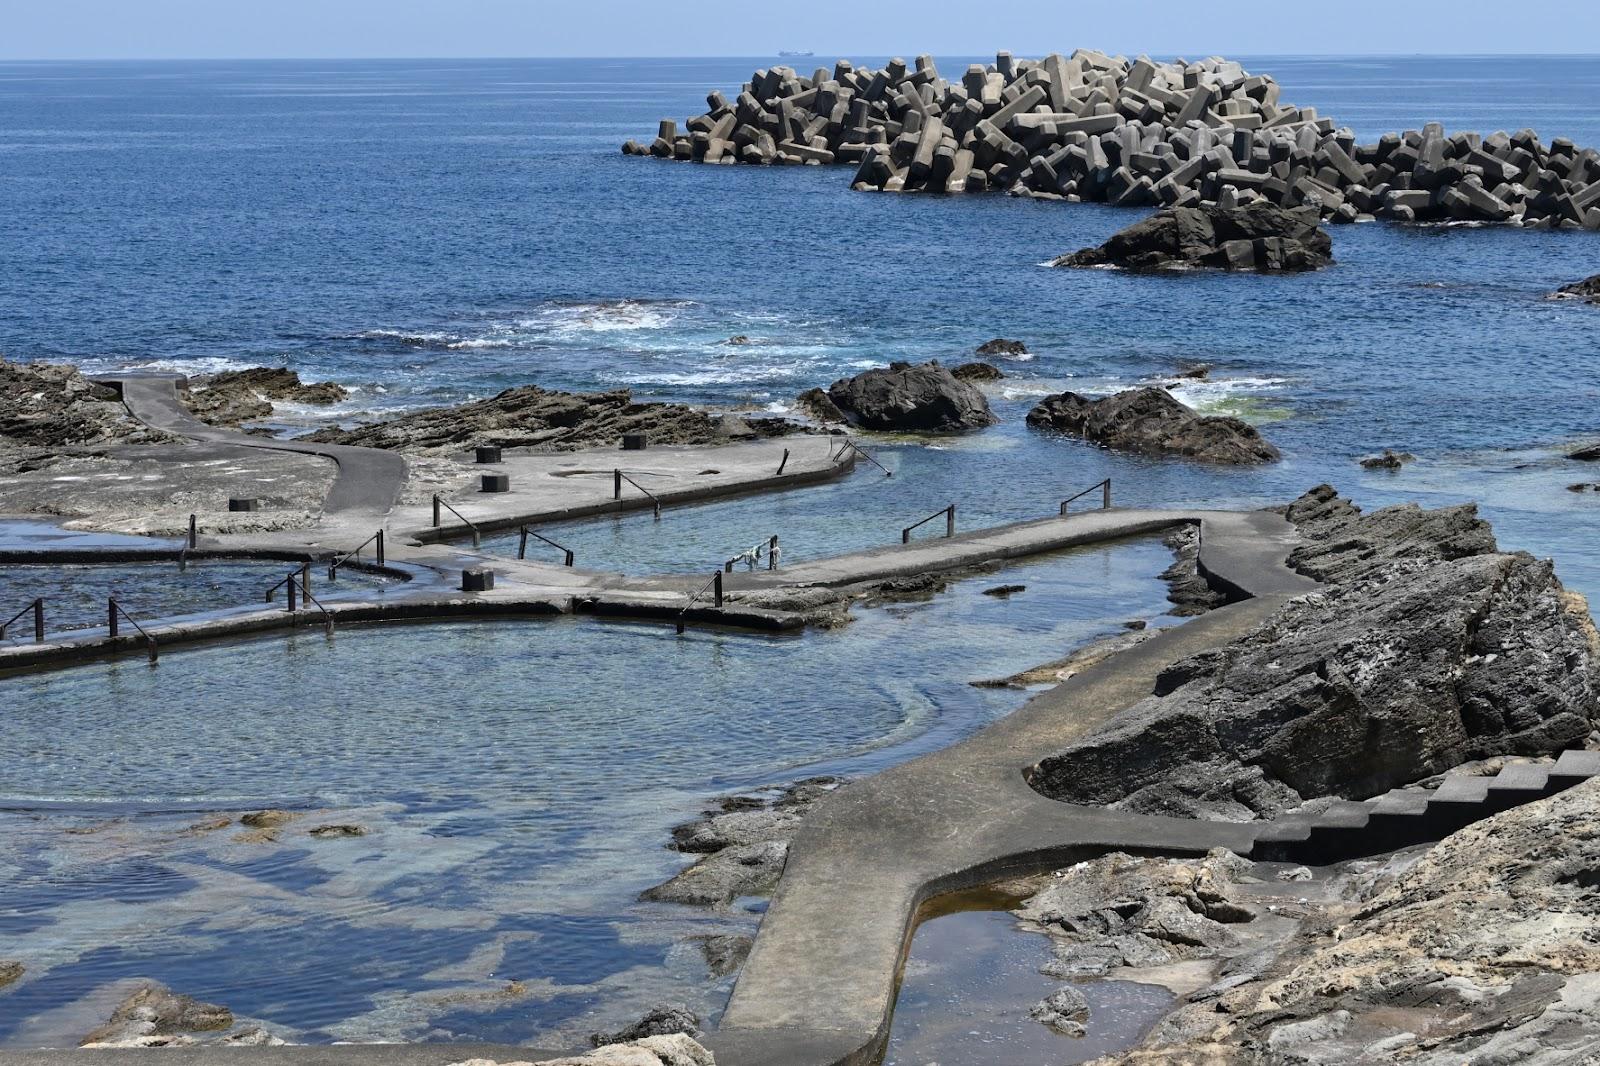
616	484
38	620
380	547
111	616
727	567
305	581
950	521
192	532
522	544
1105	500
436	522
291	585
716	591
785	461
772	553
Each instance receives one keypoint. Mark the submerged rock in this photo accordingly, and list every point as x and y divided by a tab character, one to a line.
925	398
10	971
724	953
1258	236
1389	460
1587	290
745	841
1002	346
1152	422
235	396
154	1015
528	416
1064	1010
1427	647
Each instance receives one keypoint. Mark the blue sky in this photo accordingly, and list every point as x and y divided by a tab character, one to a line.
65	29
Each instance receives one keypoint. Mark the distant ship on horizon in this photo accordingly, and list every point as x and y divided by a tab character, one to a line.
795	55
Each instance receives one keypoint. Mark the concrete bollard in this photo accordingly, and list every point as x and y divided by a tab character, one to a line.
243	503
477	580
487	453
496	483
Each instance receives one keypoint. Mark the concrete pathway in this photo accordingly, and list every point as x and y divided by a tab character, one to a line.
368	482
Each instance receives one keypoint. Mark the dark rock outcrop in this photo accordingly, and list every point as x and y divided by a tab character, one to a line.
1587	290
1151	421
1259	236
528	416
1002	346
815	404
1587	454
1428	647
1389	460
978	372
235	396
49	405
925	398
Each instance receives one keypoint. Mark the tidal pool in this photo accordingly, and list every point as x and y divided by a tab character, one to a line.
516	783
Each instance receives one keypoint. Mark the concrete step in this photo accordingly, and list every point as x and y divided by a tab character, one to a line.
1344	814
1531	777
1402	802
1574	768
1462	789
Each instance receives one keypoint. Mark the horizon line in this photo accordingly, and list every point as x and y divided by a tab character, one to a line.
758	55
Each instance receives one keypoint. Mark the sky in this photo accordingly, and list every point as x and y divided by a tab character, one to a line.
232	29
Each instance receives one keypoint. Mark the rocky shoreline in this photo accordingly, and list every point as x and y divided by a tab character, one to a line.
1093	127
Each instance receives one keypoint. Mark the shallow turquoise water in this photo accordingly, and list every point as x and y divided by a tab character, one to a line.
518	782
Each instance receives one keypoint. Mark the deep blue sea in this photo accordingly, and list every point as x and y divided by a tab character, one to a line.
426	231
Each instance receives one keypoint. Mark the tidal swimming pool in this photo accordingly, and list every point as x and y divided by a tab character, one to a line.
516	783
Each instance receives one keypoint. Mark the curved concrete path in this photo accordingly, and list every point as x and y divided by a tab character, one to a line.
369	479
820	984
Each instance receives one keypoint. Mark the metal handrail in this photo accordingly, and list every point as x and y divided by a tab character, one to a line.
618	477
522	545
438	501
113	609
303	572
716	583
183	553
339	560
37	607
753	556
1105	497
850	445
327	615
949	523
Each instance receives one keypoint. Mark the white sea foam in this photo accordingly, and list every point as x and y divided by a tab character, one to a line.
1208	393
204	365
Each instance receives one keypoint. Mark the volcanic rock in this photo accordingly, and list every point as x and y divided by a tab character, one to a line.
1389	460
528	416
1001	346
977	372
815	404
724	953
1483	950
154	1015
1151	421
235	396
1259	236
745	841
1064	1010
1587	290
1428	647
49	405
659	1021
925	398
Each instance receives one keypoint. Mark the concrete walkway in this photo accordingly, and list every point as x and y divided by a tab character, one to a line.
368	482
820	984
